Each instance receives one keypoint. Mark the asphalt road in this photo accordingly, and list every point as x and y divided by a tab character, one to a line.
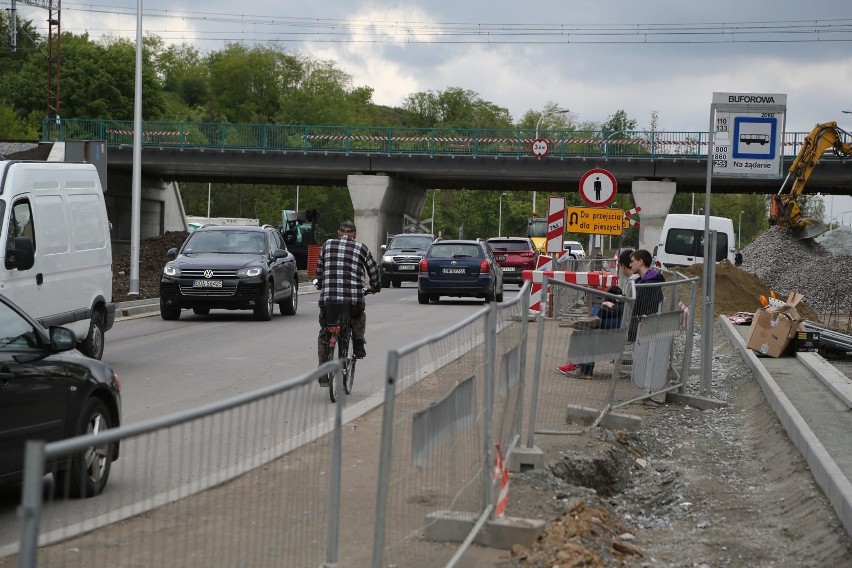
169	366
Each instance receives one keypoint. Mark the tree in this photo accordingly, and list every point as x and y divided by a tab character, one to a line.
247	83
618	123
454	108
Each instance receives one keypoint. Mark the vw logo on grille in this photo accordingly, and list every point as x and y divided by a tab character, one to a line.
208	274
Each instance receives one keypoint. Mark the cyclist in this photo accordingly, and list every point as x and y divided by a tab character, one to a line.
340	276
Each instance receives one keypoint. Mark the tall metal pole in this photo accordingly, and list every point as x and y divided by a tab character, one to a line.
209	187
136	191
739	231
434	191
500	217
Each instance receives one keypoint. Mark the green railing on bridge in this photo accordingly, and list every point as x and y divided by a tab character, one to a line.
390	140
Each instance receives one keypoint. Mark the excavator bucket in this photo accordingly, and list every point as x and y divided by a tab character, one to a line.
809	229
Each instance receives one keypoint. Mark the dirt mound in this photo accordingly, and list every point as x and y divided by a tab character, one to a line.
738	290
152	258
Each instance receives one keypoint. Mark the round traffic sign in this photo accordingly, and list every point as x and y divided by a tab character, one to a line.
540	147
598	187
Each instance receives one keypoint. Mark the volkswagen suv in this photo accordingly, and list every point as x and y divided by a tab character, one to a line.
401	258
233	268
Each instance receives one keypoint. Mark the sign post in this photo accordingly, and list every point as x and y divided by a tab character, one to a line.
746	137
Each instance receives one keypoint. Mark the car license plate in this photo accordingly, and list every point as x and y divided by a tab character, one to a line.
453	270
206	283
410	267
508	269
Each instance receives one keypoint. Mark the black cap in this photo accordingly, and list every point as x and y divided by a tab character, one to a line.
347	226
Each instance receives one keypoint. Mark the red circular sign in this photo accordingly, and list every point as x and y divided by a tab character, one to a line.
540	147
598	187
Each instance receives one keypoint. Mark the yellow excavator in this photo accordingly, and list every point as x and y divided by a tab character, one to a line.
784	209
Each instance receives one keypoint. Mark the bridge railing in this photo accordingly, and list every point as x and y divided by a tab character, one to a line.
506	142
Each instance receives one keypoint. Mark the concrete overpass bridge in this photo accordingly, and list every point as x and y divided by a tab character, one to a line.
389	170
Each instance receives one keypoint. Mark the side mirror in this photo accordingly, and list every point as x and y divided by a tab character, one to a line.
383	248
172	253
316	283
62	338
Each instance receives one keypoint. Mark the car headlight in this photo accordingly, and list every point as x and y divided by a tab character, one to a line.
387	258
171	270
249	272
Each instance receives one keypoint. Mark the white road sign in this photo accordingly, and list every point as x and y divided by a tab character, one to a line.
540	147
748	134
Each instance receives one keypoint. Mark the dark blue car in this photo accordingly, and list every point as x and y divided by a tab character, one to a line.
459	268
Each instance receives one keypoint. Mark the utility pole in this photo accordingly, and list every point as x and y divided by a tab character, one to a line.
54	49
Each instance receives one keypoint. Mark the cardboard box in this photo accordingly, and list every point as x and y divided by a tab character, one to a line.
773	328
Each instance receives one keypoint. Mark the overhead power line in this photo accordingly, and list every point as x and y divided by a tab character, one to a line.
176	25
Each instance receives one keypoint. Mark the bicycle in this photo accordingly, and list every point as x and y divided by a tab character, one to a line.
339	334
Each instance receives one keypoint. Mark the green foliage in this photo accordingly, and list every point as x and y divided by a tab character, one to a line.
13	127
454	108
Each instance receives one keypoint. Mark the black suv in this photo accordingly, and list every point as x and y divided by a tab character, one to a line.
231	268
401	258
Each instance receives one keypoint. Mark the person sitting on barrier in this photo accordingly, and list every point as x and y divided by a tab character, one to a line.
340	276
648	298
606	315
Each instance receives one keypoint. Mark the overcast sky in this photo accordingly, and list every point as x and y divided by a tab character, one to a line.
592	57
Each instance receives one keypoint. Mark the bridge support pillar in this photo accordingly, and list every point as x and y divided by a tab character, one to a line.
655	198
380	203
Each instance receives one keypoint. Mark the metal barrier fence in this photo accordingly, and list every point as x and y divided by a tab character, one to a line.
612	366
452	409
234	446
392	140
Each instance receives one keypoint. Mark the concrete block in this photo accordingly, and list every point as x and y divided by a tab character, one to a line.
526	459
502	533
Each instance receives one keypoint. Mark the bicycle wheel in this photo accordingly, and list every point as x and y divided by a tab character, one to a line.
332	384
348	355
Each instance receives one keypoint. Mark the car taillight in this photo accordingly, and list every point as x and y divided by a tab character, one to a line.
483	267
424	266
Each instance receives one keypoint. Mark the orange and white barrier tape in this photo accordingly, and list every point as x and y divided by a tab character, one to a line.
501	474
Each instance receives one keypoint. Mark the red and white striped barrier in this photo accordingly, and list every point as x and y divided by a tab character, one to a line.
629	213
544	263
501	475
602	280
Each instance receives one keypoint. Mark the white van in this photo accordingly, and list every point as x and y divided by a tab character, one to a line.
682	240
56	253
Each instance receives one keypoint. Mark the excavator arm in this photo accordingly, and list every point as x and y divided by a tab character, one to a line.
785	210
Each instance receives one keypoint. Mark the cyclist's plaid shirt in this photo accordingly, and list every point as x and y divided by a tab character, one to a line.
340	270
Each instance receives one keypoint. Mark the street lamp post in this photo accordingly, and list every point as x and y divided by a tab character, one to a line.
434	191
537	124
739	231
500	216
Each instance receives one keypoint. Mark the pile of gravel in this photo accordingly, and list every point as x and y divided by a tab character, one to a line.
821	269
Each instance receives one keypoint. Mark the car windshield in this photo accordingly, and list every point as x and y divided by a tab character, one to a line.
511	246
454	251
233	242
410	241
